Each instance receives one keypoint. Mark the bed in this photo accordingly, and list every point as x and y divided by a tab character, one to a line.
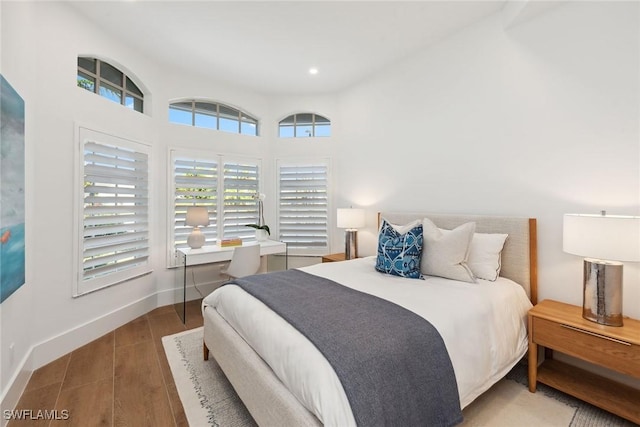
296	385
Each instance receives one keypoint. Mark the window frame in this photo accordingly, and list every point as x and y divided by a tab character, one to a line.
116	276
305	162
221	160
99	81
209	231
251	212
242	116
295	126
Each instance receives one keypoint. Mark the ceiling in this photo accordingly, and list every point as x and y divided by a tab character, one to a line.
269	46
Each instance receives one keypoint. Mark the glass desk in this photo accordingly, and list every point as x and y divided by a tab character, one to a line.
274	258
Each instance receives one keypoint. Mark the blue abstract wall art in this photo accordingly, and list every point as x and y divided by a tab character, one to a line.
12	260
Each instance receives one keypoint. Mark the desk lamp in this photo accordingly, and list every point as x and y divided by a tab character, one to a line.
197	216
351	219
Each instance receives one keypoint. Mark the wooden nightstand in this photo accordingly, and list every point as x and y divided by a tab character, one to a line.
333	257
558	326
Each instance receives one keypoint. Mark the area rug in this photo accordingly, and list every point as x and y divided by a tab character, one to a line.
206	395
209	399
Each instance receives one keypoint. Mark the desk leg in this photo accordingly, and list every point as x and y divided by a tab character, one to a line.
181	285
264	264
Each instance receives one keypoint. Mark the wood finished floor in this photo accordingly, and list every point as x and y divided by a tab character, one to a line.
120	379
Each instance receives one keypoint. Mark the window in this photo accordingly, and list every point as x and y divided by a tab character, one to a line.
304	125
212	116
195	184
107	81
198	179
241	184
113	230
303	206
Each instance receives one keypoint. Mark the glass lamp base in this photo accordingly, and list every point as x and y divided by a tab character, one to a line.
602	301
351	244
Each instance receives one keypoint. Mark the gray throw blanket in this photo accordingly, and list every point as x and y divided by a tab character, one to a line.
392	363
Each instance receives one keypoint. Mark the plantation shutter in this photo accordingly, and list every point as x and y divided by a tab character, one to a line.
303	207
241	186
115	211
195	184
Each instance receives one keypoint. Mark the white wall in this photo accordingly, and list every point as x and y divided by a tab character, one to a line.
17	65
537	120
307	148
61	36
40	45
42	42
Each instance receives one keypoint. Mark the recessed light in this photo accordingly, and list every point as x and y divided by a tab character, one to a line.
313	70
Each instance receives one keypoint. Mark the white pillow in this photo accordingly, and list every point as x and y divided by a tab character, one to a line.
485	255
403	228
445	252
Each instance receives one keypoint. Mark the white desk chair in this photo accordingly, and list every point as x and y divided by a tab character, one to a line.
245	261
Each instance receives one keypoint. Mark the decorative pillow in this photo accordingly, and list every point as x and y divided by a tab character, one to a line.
445	252
485	255
399	250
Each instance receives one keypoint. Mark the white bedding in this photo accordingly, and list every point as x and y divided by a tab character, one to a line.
483	326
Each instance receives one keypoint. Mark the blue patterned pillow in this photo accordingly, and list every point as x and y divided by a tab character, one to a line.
399	254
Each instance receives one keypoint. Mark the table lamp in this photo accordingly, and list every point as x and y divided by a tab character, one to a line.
606	240
351	219
197	216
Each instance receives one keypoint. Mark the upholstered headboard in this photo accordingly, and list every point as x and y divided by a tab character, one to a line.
519	256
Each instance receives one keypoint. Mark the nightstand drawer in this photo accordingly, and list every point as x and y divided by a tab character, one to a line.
588	345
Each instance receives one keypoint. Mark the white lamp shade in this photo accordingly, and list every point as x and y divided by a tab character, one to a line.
605	237
197	216
350	218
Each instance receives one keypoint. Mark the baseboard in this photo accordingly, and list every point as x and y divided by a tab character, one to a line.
17	384
49	350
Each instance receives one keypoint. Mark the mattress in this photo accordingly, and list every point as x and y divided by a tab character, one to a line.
483	326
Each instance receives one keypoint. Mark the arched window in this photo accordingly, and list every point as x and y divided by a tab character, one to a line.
212	115
107	81
304	125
